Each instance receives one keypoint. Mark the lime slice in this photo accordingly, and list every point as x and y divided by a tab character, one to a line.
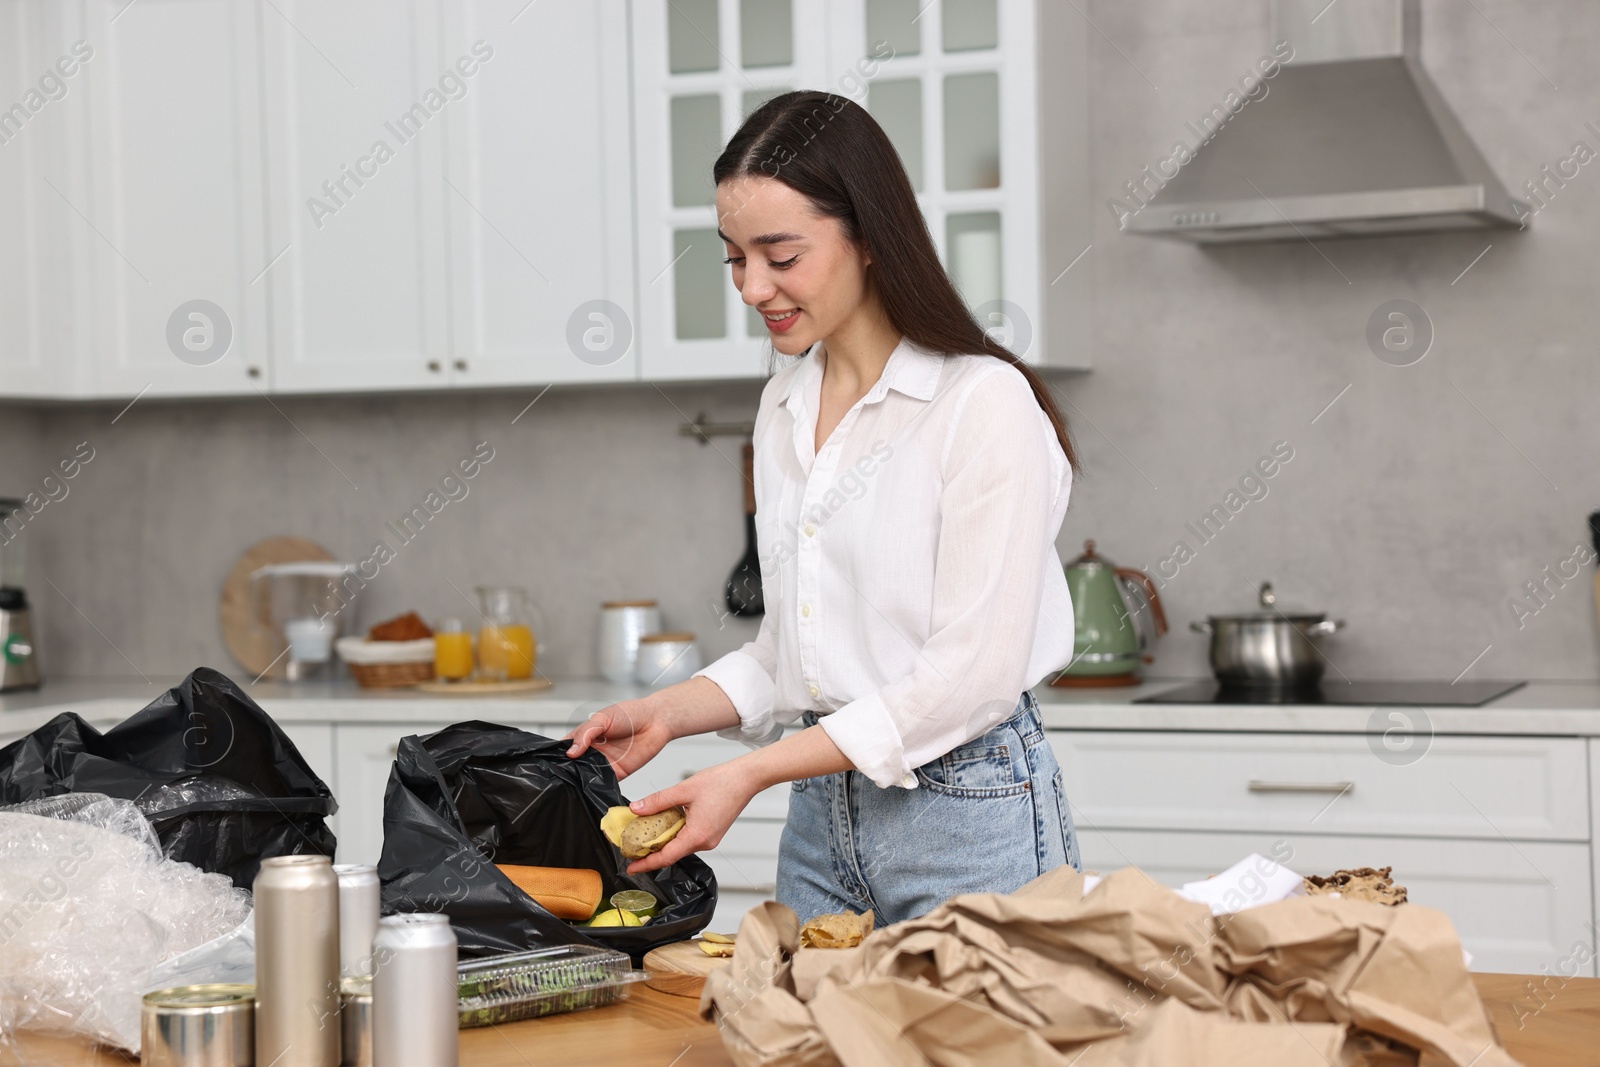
636	901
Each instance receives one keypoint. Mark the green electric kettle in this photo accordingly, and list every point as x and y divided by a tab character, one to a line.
1111	635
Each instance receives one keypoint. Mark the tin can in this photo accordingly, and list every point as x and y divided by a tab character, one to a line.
358	917
355	1020
297	962
414	992
198	1026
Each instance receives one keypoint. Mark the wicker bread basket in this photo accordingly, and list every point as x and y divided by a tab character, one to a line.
390	675
387	664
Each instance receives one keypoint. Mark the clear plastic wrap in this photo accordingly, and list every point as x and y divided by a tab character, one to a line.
196	789
88	908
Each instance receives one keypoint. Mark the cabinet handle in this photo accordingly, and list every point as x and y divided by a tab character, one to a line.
435	366
1258	786
764	890
684	776
253	372
394	749
461	364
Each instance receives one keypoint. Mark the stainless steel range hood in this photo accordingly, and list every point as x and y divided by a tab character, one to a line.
1351	138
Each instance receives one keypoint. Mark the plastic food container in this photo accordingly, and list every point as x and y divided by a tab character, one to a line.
527	985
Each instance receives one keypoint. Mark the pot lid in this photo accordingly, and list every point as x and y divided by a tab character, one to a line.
1271	609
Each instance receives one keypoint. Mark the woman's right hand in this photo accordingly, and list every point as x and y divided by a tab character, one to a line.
628	734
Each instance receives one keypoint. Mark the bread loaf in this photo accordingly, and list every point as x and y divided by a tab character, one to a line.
565	892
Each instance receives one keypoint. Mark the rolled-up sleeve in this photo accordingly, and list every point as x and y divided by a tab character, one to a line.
1003	473
747	675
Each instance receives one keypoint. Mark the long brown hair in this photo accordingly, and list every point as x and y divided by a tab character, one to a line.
828	149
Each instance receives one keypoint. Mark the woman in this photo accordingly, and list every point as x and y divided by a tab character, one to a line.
910	476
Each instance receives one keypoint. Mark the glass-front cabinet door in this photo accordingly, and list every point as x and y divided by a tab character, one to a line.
956	84
700	67
953	86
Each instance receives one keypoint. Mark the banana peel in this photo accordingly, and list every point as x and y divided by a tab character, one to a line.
638	836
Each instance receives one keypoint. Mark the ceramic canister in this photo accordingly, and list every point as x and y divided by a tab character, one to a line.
622	623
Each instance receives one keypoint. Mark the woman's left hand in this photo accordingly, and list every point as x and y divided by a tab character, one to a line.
711	799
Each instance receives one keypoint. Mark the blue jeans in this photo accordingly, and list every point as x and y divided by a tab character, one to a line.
987	817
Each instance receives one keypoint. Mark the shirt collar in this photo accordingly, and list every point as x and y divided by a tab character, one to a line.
911	369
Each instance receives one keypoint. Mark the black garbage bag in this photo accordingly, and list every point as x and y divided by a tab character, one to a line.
221	782
473	795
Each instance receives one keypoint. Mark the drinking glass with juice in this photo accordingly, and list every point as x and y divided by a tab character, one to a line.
452	651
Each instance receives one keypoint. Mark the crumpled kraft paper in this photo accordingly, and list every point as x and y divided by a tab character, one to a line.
1130	975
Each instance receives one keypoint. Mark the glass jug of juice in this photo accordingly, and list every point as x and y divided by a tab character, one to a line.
505	641
452	651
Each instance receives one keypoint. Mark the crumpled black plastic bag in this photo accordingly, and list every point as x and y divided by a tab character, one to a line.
221	782
473	795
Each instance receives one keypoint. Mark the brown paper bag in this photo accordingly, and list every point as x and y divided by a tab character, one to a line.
1131	975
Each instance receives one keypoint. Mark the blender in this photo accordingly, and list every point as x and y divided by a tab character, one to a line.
305	607
19	662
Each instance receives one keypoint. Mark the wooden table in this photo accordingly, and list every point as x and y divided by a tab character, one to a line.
656	1030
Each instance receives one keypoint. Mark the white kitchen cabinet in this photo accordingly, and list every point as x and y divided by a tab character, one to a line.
1525	788
356	256
173	198
746	865
1517	906
985	100
364	755
699	67
538	195
689	755
41	351
315	744
1594	847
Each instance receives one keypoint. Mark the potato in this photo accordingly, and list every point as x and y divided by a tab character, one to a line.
650	833
637	837
613	823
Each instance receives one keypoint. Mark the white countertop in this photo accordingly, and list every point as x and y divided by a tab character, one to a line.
1539	708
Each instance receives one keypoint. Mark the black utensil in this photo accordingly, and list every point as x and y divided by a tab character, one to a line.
744	584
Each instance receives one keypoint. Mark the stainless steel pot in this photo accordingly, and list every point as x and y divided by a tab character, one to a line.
1270	648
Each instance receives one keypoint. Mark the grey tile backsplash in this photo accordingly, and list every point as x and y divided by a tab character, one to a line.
1418	504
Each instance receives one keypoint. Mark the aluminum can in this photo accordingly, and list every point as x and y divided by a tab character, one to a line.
297	962
358	917
355	1019
198	1026
414	992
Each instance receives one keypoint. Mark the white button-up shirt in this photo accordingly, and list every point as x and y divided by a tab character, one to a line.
909	569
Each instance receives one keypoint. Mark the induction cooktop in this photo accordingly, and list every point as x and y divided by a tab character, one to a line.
1431	694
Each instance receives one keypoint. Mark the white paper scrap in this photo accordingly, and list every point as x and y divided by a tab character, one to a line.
1250	883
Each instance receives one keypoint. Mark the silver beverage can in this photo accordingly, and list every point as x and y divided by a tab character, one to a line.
414	992
355	1019
297	962
358	917
198	1026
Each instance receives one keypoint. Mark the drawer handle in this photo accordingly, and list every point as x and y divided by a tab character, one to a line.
764	890
1258	786
684	776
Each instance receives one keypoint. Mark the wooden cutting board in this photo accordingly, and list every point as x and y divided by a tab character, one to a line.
680	968
481	689
252	647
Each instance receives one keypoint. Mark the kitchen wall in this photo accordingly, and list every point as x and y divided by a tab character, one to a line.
1418	505
1415	507
589	495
